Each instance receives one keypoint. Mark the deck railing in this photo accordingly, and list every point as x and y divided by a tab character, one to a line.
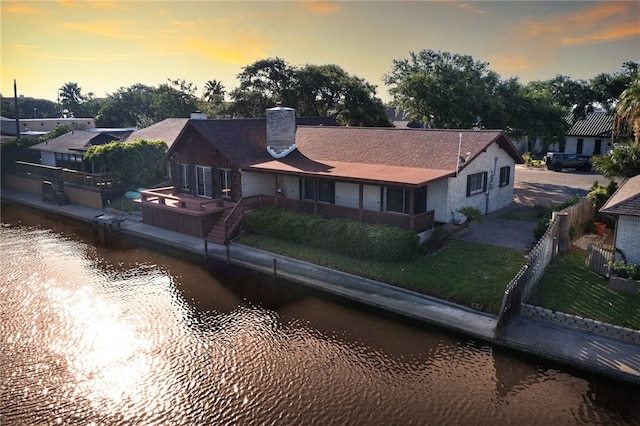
420	222
61	176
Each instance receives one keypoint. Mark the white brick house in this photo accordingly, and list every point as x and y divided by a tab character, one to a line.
388	170
624	205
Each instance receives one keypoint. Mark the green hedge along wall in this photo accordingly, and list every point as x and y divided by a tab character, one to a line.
376	242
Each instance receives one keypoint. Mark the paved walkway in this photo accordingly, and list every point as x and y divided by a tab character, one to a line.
576	348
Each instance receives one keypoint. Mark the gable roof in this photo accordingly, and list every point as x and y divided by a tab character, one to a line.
241	140
626	200
596	123
166	130
76	141
408	156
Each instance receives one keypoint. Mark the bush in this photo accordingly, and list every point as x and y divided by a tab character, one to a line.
376	242
625	270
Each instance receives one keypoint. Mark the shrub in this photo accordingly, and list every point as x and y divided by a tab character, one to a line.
625	270
377	242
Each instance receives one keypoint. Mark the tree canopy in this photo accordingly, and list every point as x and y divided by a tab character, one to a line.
312	90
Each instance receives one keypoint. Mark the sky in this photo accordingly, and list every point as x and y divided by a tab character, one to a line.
105	45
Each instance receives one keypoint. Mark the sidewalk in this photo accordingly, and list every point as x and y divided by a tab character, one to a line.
615	359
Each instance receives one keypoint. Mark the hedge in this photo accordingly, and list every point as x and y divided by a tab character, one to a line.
376	242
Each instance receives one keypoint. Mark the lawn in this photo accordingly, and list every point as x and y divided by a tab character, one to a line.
464	272
569	286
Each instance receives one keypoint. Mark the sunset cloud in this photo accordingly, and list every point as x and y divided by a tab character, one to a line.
240	51
16	8
318	6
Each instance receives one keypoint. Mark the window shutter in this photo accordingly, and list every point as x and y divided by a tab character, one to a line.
484	181
468	185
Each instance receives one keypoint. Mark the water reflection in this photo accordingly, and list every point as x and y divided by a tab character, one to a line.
122	335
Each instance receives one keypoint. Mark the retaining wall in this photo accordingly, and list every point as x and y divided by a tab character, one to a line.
587	324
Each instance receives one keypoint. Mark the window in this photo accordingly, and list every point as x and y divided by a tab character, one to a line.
326	191
204	181
397	200
224	181
505	175
307	189
580	146
597	147
420	200
476	183
183	177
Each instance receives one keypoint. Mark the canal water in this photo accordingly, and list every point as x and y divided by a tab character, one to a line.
123	334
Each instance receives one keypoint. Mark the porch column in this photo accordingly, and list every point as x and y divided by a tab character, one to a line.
277	187
412	216
360	201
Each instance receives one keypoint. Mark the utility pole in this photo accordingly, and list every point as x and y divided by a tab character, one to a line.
15	98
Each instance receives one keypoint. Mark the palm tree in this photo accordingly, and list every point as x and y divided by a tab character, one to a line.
70	97
627	112
214	91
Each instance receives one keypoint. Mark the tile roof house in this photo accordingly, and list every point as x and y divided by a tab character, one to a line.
591	135
403	177
624	204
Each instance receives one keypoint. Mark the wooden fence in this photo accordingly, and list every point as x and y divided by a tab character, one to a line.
598	258
568	224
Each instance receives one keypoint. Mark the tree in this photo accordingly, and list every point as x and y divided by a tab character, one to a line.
262	85
312	90
627	112
608	87
133	164
127	107
175	99
70	97
213	99
622	162
442	90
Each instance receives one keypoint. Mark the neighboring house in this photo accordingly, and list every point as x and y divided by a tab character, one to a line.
40	126
589	136
624	205
404	177
67	150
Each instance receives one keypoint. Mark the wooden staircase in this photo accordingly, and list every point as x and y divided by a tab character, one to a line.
53	193
226	226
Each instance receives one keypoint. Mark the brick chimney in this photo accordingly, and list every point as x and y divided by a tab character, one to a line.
281	131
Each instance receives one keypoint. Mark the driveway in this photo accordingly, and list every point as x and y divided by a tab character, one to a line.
532	187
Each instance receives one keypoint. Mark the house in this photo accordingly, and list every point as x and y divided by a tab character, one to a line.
589	136
41	126
624	205
67	150
404	177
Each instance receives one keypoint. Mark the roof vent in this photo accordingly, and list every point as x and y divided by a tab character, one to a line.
198	116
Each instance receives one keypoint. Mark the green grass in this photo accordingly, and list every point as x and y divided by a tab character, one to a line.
569	286
532	214
464	272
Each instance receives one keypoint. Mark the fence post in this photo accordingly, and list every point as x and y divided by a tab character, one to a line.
564	241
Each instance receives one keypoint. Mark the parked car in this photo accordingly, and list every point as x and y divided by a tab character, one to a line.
559	160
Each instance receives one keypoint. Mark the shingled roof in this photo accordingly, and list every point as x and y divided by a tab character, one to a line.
408	156
597	123
243	140
626	200
75	142
166	130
